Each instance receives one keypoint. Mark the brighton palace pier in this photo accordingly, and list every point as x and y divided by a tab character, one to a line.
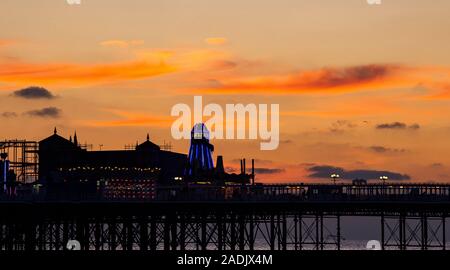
149	198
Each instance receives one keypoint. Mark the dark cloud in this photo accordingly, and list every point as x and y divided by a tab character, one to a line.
8	114
267	170
382	149
395	125
334	77
342	125
328	78
398	125
374	174
50	112
33	92
325	171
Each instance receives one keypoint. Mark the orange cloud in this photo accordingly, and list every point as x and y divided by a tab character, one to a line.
197	60
332	80
121	43
372	106
442	94
6	42
216	40
145	63
327	79
77	74
133	119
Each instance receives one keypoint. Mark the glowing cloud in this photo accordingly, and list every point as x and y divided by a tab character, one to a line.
127	119
332	80
5	42
78	74
216	41
144	63
121	43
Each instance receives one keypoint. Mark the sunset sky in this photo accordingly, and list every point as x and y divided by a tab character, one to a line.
363	90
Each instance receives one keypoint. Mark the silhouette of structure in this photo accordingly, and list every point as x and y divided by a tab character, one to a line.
23	159
66	169
273	222
4	170
176	203
201	167
200	151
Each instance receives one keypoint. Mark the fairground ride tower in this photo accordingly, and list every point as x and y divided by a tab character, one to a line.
200	151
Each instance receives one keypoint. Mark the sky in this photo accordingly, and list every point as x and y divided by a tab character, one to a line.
363	90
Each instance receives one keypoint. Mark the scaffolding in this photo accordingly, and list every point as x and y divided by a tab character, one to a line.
23	157
166	146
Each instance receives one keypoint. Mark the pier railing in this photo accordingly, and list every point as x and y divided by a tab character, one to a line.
308	192
233	217
259	192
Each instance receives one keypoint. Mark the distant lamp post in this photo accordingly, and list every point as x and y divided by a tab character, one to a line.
335	176
384	179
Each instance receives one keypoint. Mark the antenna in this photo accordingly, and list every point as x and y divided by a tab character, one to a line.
253	171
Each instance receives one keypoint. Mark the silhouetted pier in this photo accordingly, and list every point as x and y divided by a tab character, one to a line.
239	217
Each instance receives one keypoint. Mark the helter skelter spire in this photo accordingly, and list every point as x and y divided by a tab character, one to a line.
200	151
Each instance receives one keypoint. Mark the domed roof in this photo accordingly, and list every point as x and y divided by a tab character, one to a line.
147	145
57	141
200	131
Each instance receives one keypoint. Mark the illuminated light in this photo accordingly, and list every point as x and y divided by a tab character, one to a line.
200	156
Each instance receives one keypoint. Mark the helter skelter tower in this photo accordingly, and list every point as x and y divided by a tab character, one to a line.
200	151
